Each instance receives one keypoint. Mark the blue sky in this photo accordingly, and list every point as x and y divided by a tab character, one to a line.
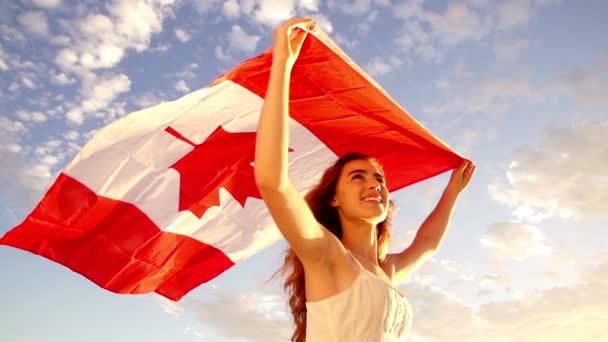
520	86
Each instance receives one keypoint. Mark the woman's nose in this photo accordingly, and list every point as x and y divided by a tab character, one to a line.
375	185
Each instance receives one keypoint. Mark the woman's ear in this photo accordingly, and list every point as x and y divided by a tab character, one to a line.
333	202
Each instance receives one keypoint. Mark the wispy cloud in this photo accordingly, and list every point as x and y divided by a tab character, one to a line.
48	4
34	22
573	313
515	241
182	86
428	33
182	35
238	316
490	96
240	40
562	176
587	88
380	65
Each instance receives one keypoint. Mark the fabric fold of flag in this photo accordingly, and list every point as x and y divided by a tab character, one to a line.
164	199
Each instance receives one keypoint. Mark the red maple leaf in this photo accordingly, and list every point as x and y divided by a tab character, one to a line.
222	161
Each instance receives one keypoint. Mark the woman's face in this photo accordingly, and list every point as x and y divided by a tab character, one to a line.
361	192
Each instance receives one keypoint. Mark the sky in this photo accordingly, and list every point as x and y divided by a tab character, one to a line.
518	86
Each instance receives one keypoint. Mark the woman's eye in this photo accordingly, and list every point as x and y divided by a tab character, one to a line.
357	177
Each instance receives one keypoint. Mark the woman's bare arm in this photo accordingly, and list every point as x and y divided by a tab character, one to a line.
432	232
291	213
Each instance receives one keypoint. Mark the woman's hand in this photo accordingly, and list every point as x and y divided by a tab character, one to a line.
288	39
461	177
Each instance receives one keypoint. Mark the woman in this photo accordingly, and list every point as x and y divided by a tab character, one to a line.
341	281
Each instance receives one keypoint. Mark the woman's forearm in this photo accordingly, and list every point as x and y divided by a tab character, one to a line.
272	139
434	228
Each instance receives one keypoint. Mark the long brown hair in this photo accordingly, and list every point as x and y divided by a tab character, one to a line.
318	199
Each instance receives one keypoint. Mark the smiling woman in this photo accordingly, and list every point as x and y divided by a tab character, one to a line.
340	279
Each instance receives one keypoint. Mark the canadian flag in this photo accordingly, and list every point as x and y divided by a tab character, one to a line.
165	199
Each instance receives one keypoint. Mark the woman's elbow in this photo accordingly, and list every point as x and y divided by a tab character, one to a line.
267	182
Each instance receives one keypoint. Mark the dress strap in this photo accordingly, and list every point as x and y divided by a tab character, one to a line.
357	261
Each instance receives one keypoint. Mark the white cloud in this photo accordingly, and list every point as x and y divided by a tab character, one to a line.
427	273
182	35
65	58
60	39
3	65
438	315
49	160
344	42
24	176
273	12
148	99
71	135
10	34
548	2
489	96
450	265
101	41
414	38
508	51
428	33
323	22
13	147
61	78
240	40
604	62
170	307
515	241
231	9
160	48
28	82
13	163
182	86
104	91
442	84
38	176
564	175
34	22
222	54
205	6
14	87
75	116
251	317
309	5
98	93
513	13
575	313
587	88
49	4
9	127
465	140
380	65
247	6
459	23
187	72
36	117
352	7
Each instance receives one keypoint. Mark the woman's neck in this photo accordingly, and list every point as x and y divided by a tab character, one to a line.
359	238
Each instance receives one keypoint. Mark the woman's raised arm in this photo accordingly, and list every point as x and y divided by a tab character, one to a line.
432	232
311	242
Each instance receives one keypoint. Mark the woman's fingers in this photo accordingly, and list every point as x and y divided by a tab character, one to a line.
462	175
303	23
289	38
